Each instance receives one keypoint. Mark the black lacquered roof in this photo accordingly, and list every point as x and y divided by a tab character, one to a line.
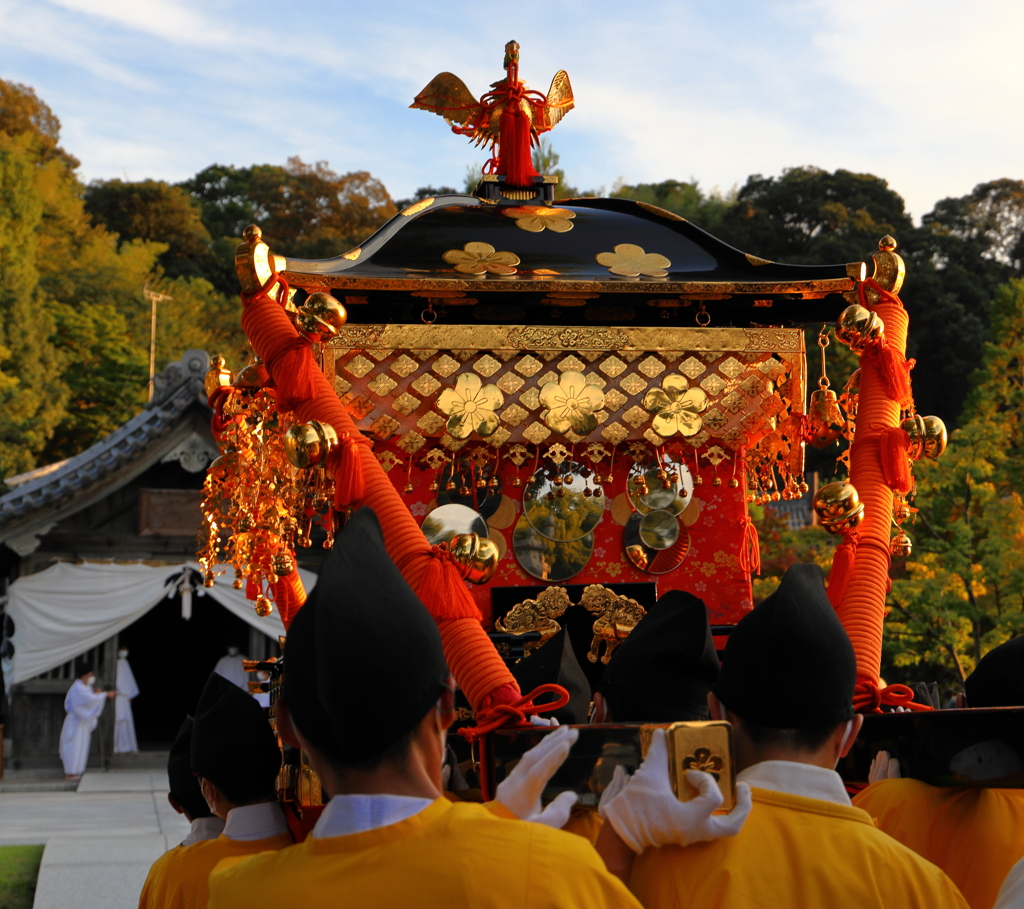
570	255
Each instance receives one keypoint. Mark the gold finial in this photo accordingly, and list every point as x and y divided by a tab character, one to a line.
252	234
887	243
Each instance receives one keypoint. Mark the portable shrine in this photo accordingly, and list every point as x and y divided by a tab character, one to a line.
568	403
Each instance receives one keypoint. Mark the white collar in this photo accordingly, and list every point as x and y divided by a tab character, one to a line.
797	779
348	814
204	828
255	822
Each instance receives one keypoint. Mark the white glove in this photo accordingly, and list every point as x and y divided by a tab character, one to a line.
521	790
884	767
646	812
619	781
543	721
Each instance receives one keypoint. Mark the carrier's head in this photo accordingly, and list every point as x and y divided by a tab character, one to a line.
779	713
185	796
367	692
85	672
998	680
663	671
556	663
233	750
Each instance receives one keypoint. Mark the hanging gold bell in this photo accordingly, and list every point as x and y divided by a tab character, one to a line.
262	607
252	377
900	510
217	376
476	556
321	314
283	564
824	419
857	326
928	436
308	444
838	507
900	545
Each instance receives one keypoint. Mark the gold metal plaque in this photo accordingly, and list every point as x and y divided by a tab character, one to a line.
706	746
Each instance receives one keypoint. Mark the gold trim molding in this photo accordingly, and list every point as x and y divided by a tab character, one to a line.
569	337
546	284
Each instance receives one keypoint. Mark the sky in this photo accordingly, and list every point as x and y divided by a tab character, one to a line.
928	95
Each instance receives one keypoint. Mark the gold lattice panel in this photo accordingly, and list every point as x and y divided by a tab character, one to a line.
390	377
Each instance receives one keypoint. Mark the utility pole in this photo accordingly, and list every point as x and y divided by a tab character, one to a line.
153	298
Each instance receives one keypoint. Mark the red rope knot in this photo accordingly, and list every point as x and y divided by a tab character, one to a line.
516	714
893	367
900	696
275	280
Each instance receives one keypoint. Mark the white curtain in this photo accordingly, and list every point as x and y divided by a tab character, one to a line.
69	608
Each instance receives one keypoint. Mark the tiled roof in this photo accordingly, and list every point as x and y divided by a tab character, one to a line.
176	389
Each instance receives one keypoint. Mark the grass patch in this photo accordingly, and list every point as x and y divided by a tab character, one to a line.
19	868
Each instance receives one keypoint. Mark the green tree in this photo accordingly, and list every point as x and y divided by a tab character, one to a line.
32	396
809	216
305	210
962	591
707	210
153	210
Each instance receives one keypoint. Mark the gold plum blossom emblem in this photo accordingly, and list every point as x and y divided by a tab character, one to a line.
630	260
480	258
535	218
571	403
702	759
470	406
676	407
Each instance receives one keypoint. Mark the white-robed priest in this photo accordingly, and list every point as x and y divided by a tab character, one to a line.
84	704
124	722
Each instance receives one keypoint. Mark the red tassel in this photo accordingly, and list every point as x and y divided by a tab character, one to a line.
345	462
750	548
842	569
893	443
514	158
894	369
443	591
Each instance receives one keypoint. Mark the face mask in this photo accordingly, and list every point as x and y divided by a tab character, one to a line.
90	680
122	654
232	651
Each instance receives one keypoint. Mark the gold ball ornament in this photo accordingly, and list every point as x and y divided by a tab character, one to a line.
928	436
252	377
321	314
252	234
838	507
900	545
283	564
262	607
857	327
476	556
308	444
217	376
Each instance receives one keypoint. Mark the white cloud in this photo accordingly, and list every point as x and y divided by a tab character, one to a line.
925	95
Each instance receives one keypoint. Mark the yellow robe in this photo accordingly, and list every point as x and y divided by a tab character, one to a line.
585	822
974	835
798	853
179	878
450	855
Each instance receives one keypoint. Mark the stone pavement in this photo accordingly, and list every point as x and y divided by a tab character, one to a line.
100	840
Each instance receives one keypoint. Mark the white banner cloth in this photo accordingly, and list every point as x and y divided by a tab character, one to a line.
69	608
